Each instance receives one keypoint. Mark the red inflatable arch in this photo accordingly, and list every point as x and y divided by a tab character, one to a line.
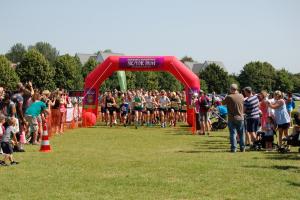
138	63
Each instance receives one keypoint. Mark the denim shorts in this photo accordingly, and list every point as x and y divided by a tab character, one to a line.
252	124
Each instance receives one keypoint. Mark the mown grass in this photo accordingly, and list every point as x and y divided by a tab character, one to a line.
149	163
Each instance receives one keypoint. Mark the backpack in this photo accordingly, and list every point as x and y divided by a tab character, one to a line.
204	103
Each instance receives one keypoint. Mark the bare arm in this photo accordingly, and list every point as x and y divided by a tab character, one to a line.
276	105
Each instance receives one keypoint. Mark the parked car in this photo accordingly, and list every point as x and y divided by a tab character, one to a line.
295	97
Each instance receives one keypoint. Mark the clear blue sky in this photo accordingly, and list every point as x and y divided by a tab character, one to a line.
232	31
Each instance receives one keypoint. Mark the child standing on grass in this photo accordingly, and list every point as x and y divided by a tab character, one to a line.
269	130
8	140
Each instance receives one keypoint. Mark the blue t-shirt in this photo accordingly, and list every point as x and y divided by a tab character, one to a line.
35	108
124	107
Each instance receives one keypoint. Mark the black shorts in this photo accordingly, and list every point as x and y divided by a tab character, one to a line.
163	110
151	110
138	109
252	124
183	111
124	114
284	126
111	110
118	110
103	110
203	116
7	147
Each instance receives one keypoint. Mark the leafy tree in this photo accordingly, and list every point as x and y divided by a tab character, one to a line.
131	80
296	81
68	72
258	75
34	67
167	81
88	67
187	59
110	83
8	76
146	80
284	81
16	53
216	78
107	51
203	85
49	52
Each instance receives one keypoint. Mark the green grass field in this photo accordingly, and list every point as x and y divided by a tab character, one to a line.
148	163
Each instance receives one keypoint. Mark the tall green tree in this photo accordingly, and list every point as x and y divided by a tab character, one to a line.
216	78
187	59
284	81
258	75
203	85
16	53
167	81
89	66
296	80
146	80
49	52
68	73
131	80
34	67
8	77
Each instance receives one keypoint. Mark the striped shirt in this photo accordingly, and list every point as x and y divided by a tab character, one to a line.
251	105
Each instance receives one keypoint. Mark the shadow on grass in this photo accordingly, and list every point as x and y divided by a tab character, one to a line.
203	151
294	183
288	156
290	168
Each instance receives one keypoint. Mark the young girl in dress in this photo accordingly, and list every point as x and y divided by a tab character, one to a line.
269	130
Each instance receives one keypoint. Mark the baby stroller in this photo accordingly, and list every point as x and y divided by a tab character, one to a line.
260	143
221	123
293	139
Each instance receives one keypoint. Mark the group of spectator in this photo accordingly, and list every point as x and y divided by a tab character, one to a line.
247	112
23	113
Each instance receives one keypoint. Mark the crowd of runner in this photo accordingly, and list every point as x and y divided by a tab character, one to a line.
140	107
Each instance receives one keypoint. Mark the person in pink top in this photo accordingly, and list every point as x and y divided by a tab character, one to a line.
263	107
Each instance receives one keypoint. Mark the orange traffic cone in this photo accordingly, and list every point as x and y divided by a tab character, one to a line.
193	128
45	144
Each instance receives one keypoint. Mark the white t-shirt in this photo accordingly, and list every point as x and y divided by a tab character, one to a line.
163	101
8	133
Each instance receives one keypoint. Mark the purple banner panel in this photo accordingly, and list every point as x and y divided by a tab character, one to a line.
141	62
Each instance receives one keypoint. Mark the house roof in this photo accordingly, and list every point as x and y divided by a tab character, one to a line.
103	55
196	67
84	57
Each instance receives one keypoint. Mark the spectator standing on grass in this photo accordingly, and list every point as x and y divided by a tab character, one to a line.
251	107
9	140
235	105
32	113
263	106
204	108
282	117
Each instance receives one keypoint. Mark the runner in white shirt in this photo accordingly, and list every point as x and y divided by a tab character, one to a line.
164	102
